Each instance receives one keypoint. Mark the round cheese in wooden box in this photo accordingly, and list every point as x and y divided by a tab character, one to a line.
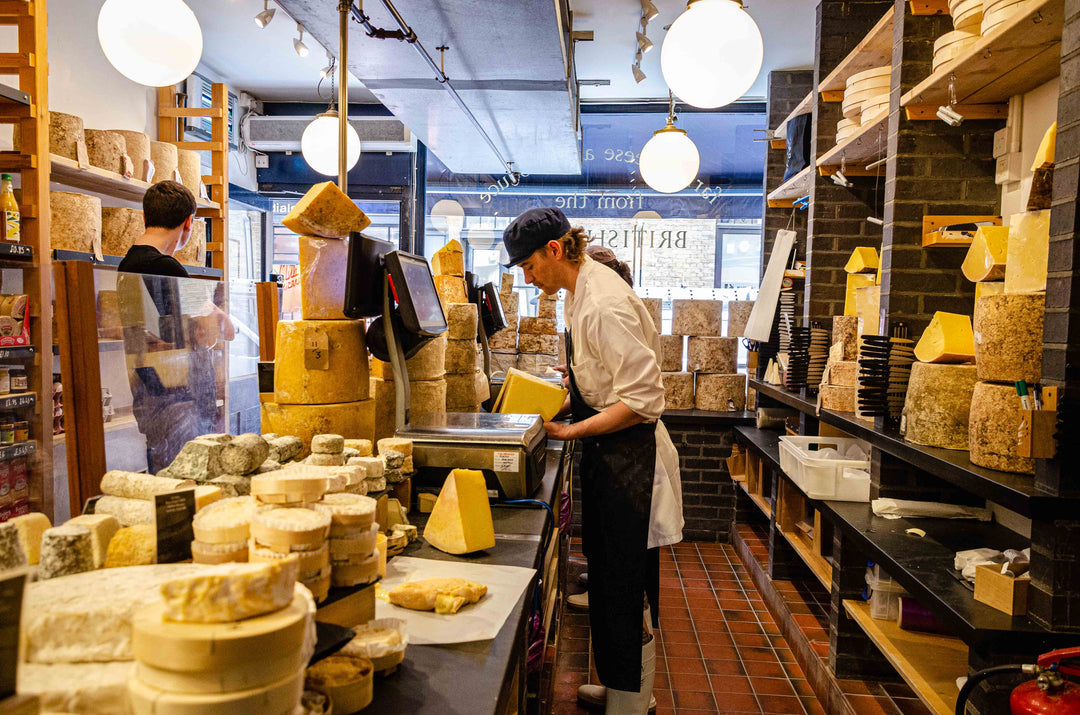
967	15
951	45
861	79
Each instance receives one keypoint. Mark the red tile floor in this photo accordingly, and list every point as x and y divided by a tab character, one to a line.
718	649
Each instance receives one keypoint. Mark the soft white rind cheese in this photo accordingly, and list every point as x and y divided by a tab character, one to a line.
230	593
98	688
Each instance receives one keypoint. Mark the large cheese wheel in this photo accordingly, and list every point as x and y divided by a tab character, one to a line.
106	149
738	316
138	148
464	393
120	228
671	354
353	420
712	354
720	393
1009	337
462	357
75	223
320	362
427	397
938	405
383	394
429	363
678	390
461	319
323	263
655	307
845	331
65	133
279	698
166	160
189	163
994	422
696	317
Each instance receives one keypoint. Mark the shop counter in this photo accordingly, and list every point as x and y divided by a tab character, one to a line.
482	676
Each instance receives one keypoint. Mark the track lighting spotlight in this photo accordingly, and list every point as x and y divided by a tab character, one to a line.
263	18
329	68
648	10
639	76
298	43
644	43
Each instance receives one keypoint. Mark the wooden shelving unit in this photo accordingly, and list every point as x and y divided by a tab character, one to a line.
854	153
794	188
929	663
91	178
821	568
875	50
1018	56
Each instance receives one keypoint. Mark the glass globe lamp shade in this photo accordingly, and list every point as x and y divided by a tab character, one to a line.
712	53
153	42
669	161
319	144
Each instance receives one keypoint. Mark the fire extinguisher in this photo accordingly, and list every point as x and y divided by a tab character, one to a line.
1049	694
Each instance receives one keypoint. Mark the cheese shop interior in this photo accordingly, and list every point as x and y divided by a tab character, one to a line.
857	248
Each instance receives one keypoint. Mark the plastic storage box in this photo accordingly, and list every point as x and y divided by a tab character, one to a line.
884	594
825	478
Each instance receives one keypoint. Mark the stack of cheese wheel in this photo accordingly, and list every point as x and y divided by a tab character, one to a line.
278	532
222	530
231	640
538	338
503	344
996	12
847	128
327	450
382	641
466	383
866	96
951	45
402	446
967	15
354	559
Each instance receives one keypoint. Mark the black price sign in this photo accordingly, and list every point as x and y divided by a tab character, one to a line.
173	513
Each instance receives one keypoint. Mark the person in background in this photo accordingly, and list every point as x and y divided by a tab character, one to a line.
168	213
631	494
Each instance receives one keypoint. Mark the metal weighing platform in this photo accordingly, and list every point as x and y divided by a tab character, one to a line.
509	449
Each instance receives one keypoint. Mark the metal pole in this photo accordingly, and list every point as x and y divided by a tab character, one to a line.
344	11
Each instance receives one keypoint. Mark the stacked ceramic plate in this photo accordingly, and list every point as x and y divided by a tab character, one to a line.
951	45
996	12
866	96
819	355
967	15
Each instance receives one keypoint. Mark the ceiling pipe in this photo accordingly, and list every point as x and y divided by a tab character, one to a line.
406	34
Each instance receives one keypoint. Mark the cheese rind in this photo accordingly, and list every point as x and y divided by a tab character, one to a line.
720	393
134	545
938	405
103	528
280	697
712	354
671	353
231	593
12	554
449	260
244	454
461	319
451	289
948	339
994	422
697	317
427	397
350	419
225	521
461	521
738	316
326	211
65	550
320	362
30	527
1009	337
678	390
461	357
986	256
133	485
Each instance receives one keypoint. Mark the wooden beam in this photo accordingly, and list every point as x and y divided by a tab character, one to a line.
189	112
929	7
268	310
196	146
974	112
832	95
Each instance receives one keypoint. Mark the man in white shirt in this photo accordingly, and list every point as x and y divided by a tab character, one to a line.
632	497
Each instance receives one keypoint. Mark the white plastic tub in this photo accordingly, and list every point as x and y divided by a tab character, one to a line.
884	594
825	478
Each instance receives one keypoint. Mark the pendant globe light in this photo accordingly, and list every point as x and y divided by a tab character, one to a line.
669	161
153	42
319	144
712	53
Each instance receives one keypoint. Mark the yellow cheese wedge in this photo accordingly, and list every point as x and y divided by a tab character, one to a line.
461	522
855	281
322	277
1028	252
206	494
523	393
868	308
30	528
326	211
985	259
449	260
989	288
864	259
1045	156
948	339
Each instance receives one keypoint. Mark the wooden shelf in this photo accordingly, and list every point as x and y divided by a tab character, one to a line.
11	96
19	449
114	261
68	172
780	135
817	564
794	188
929	663
875	50
864	147
1018	56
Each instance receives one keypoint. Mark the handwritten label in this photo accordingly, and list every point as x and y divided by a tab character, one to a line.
316	349
129	167
148	170
173	513
507	461
177	177
82	155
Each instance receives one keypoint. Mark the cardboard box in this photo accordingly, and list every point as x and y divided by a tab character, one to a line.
1002	592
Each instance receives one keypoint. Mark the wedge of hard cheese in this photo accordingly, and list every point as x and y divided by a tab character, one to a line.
985	259
864	259
326	211
461	521
948	339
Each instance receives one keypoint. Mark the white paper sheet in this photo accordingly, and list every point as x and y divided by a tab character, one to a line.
759	325
475	622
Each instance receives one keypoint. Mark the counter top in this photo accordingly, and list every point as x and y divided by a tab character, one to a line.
476	677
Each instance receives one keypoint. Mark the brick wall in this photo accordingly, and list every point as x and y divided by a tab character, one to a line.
786	89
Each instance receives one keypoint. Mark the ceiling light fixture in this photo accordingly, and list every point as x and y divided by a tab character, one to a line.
263	18
319	144
712	53
670	160
639	76
648	10
644	43
298	43
329	68
155	44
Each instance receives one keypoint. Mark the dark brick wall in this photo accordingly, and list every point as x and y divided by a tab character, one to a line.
932	169
786	89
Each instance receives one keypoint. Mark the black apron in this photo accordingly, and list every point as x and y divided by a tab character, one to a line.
616	487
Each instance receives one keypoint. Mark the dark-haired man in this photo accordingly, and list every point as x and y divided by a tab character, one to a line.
168	212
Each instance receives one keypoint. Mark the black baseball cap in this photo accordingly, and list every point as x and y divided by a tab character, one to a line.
532	230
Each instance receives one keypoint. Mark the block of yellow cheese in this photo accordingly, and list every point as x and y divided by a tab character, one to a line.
523	393
948	339
30	527
352	420
864	259
854	282
868	308
322	277
451	289
988	288
326	211
134	545
320	362
985	259
449	260
1044	157
1028	252
461	522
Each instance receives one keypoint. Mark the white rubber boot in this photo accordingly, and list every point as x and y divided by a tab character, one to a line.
641	702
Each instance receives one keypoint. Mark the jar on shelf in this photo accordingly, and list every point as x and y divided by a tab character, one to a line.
19	382
22	431
7	429
5	381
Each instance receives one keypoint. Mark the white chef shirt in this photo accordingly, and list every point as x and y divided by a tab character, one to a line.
617	358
